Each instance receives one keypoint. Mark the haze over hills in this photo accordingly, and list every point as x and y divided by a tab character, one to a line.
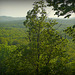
7	21
8	18
17	22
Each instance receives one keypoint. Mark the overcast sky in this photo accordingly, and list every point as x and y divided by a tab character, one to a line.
19	8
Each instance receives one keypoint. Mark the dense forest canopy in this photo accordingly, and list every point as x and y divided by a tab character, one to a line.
37	45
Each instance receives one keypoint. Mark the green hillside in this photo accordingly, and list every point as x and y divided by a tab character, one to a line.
64	23
18	54
12	29
14	26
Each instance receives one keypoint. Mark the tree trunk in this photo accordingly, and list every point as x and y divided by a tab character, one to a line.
38	36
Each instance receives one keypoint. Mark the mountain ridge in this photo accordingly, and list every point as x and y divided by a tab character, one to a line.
9	18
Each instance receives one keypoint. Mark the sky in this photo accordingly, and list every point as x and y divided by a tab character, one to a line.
19	8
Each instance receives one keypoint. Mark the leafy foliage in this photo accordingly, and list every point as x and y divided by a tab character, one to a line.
62	7
43	39
71	31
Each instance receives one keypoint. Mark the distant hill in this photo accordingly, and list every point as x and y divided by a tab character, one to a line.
64	23
7	18
16	22
6	21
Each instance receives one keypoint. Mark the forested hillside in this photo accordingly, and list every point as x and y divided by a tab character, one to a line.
36	45
15	30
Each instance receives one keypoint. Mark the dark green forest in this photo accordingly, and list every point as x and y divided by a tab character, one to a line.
37	45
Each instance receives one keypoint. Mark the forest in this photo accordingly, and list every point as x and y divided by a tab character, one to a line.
37	45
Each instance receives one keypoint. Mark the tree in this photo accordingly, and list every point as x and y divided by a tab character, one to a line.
62	7
44	41
36	25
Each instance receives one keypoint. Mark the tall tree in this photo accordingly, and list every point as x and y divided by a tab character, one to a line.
36	25
44	41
